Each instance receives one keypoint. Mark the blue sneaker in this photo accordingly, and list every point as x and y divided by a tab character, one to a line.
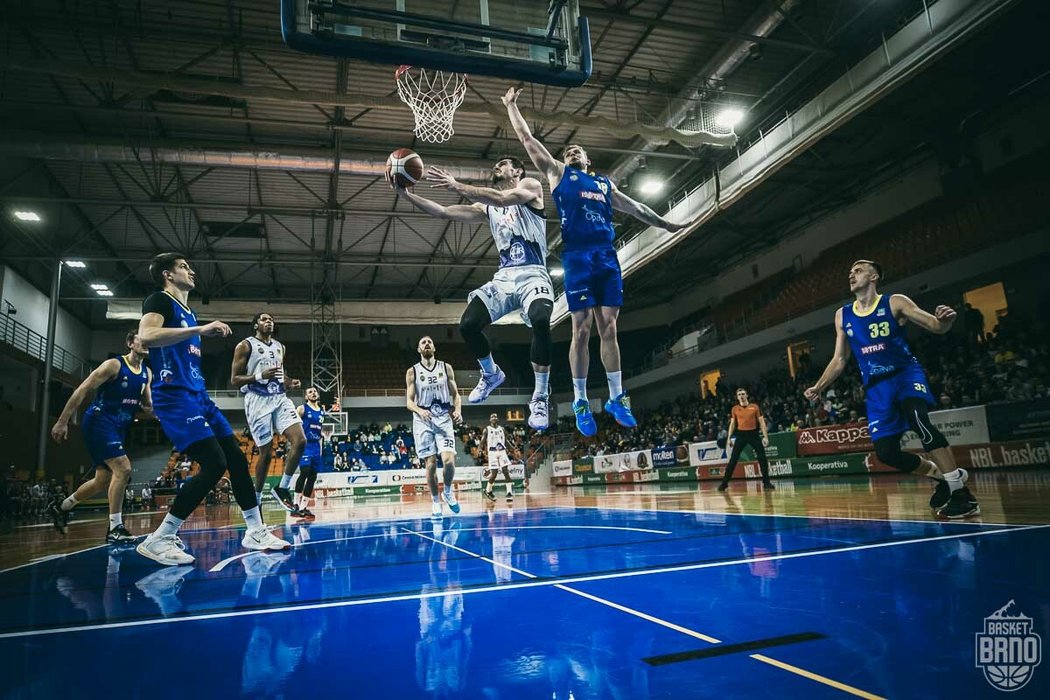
620	409
584	418
450	499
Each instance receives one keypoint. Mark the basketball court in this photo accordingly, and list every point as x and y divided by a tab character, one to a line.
256	139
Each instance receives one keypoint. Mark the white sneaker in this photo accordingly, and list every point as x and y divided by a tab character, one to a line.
538	415
166	550
450	499
435	509
261	539
486	385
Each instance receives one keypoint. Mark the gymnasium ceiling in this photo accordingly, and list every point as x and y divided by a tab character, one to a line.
264	233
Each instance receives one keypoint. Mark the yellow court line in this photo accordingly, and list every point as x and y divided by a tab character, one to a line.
817	677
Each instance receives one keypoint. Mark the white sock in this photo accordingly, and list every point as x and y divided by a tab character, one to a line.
258	497
579	389
169	526
488	365
542	384
115	519
615	383
252	518
70	503
286	480
510	487
954	479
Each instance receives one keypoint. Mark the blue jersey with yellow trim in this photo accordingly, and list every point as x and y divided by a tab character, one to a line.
584	204
119	398
877	340
312	422
178	365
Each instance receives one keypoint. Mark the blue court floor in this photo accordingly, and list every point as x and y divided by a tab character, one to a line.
546	602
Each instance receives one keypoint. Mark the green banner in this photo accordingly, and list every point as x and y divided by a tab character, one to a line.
781	446
376	490
852	463
677	474
593	479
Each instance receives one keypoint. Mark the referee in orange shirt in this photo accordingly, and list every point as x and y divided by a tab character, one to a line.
746	420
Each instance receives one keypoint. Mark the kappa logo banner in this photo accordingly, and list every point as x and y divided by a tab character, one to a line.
1008	650
834	439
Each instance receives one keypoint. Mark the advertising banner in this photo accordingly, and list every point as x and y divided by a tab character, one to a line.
777	467
781	446
1020	453
563	467
705	453
1018	420
960	426
840	464
834	439
664	457
678	474
623	462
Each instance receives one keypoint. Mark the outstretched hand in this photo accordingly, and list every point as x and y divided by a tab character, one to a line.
511	96
441	178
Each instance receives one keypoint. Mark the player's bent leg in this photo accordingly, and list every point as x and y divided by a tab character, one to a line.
952	498
120	471
296	444
476	318
60	511
539	313
448	461
256	537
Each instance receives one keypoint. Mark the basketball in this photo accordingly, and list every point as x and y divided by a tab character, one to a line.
405	167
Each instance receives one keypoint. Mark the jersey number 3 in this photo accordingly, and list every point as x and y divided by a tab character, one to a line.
878	330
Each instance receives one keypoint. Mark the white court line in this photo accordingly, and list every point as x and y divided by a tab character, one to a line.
222	564
510	586
806	517
667	624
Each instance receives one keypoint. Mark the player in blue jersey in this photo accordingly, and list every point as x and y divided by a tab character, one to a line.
897	392
513	209
122	386
593	282
312	415
189	417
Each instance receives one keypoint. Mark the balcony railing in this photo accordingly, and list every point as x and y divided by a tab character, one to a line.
30	342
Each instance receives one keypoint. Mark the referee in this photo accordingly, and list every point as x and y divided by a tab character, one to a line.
746	420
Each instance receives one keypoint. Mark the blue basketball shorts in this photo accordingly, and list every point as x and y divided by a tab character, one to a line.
592	278
103	437
188	416
883	400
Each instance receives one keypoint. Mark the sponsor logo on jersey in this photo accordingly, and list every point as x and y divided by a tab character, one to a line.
597	196
868	349
193	350
881	312
604	187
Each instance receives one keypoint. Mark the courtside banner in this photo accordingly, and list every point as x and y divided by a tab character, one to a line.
781	446
960	426
701	453
834	439
623	462
563	467
664	457
1018	420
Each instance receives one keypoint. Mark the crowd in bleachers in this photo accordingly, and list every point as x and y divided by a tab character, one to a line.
964	367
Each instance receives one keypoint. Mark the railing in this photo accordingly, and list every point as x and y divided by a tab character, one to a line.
33	344
386	393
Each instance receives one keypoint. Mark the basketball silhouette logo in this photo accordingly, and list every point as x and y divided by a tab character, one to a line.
1008	650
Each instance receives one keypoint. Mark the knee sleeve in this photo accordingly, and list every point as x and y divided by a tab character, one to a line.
540	317
889	452
209	455
471	326
917	413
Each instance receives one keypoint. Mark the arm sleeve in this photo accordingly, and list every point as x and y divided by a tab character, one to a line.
159	303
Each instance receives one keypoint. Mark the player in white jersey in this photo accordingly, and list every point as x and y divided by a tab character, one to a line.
496	446
513	208
258	369
433	397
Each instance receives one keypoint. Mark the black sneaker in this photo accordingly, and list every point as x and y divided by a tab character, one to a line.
306	514
119	535
768	486
59	517
941	495
489	495
723	486
284	497
961	504
510	495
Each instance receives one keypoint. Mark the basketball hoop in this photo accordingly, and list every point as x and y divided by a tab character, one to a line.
433	96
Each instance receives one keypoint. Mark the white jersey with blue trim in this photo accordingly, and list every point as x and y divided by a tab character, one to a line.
432	392
520	233
496	438
264	356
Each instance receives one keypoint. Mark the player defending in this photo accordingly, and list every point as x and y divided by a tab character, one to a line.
258	369
432	396
122	384
513	208
897	392
496	442
312	416
593	283
189	417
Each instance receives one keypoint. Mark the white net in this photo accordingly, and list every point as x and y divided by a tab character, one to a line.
433	96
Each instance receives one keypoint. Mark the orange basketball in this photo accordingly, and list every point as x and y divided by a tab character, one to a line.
405	167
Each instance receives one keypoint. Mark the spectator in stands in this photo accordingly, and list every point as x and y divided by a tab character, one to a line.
973	323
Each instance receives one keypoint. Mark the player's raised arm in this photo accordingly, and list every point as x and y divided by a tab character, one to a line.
836	365
528	190
642	212
939	322
465	213
541	157
102	374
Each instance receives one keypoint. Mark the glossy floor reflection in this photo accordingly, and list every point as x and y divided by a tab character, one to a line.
607	593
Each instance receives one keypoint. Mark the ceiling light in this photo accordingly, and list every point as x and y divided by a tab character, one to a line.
728	118
99	287
557	272
103	292
79	264
27	216
651	186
